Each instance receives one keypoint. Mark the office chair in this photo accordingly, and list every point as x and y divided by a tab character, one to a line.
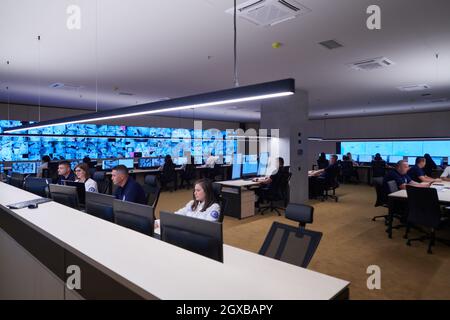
378	168
294	245
322	164
168	178
103	184
196	235
152	190
425	211
217	189
330	184
66	195
187	175
46	173
100	205
138	217
347	171
17	180
381	200
276	192
38	186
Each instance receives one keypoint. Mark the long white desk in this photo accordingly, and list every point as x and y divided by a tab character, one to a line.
117	262
443	189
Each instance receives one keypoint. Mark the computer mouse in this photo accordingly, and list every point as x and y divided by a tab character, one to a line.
32	206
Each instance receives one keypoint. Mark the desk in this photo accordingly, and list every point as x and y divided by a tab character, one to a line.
239	197
401	195
37	246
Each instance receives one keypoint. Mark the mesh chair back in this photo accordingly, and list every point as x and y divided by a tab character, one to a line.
423	206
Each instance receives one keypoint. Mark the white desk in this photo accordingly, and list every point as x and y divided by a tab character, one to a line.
145	266
442	187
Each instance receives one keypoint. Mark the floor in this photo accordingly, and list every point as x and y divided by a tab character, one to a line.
351	242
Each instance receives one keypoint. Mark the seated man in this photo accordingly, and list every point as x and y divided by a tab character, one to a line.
400	176
417	174
270	182
446	174
320	178
128	189
65	173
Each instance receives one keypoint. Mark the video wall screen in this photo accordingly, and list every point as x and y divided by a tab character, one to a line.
398	148
118	144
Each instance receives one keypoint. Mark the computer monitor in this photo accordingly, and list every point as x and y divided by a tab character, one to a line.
157	162
100	205
129	163
144	163
24	167
81	189
236	170
365	158
250	166
73	164
196	235
2	168
109	164
412	161
198	160
181	160
66	195
137	217
228	159
37	186
438	160
395	159
263	162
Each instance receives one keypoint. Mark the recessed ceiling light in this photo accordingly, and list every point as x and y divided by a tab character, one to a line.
414	87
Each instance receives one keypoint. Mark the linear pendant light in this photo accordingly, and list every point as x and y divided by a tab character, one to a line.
260	91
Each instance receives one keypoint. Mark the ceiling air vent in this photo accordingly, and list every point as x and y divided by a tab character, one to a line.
331	44
414	87
269	12
372	64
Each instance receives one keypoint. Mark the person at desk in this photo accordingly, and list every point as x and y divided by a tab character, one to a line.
128	189
65	173
202	206
417	173
445	176
83	176
211	162
322	162
276	174
349	158
44	165
320	178
430	165
168	171
400	176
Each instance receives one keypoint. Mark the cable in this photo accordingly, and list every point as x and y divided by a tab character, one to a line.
236	81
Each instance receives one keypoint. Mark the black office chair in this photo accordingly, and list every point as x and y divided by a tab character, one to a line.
66	195
294	245
17	180
425	211
277	192
217	189
378	168
100	205
330	185
381	200
46	173
103	184
168	178
152	190
138	217
347	171
38	186
322	164
187	176
196	235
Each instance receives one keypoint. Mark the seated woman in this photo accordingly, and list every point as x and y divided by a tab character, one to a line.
82	173
203	205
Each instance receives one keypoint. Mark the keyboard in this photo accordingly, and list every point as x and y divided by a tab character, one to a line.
24	204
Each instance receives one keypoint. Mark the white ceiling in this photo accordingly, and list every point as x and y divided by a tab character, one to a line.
158	49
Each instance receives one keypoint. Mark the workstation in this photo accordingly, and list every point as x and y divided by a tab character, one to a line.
295	159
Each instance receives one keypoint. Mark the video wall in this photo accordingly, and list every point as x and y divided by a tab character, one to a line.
74	142
398	148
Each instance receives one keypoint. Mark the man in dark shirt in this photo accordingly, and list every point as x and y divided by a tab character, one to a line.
400	176
127	188
64	172
319	179
417	173
271	185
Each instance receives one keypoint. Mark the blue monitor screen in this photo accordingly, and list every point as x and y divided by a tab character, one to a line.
250	165
412	161
395	159
437	160
198	160
158	162
236	171
73	164
24	167
263	161
365	158
109	164
129	163
2	168
180	161
145	163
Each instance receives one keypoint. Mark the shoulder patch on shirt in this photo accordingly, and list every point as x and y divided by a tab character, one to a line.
91	189
214	214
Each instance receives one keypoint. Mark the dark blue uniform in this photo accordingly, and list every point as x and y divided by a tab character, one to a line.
415	172
70	177
397	177
131	192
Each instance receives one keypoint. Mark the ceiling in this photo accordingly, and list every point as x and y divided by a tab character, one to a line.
163	49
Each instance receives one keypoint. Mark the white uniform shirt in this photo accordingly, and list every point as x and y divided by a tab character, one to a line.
210	214
90	185
446	173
